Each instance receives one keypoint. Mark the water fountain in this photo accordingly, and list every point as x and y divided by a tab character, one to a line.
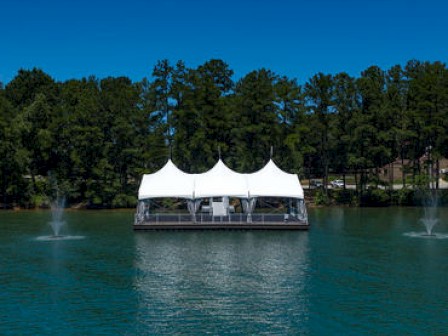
430	213
430	216
57	210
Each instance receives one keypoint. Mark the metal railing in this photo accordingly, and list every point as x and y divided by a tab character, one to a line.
201	218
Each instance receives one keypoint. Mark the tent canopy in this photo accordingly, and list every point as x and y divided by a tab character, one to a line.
170	181
271	181
220	181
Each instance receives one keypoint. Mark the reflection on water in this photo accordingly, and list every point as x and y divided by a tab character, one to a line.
426	235
58	238
218	282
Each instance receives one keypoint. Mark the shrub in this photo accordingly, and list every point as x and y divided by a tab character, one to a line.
320	198
405	196
124	201
375	197
344	196
37	201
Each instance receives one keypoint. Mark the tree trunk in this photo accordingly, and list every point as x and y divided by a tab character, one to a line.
326	178
403	172
4	191
391	178
377	176
357	186
437	173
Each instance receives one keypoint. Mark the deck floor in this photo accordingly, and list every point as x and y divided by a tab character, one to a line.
257	221
220	226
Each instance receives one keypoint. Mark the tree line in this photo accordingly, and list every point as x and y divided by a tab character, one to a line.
96	137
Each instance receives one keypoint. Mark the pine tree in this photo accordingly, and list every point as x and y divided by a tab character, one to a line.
257	128
319	92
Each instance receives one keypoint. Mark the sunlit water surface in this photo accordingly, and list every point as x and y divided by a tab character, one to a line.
357	271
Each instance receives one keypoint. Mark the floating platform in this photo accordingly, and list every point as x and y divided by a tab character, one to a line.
232	222
205	226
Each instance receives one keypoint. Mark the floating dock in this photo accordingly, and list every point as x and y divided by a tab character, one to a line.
205	226
232	222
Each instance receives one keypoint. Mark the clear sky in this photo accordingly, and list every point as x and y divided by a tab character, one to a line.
73	39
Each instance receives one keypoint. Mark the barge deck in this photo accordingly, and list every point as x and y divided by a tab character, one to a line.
231	222
209	226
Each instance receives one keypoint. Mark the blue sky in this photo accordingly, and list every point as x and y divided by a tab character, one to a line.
74	39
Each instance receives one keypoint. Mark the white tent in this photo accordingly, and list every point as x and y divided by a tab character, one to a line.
220	181
169	181
271	181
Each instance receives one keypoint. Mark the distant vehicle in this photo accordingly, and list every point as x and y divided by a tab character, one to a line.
337	183
316	183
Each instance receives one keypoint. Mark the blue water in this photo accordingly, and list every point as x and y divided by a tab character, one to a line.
354	273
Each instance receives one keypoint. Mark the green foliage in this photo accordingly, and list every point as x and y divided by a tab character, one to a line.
375	197
39	201
98	136
405	196
321	198
342	196
256	127
24	88
124	201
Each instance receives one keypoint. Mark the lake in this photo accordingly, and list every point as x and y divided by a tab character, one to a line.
354	272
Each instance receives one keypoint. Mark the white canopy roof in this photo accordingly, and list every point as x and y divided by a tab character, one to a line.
170	181
221	181
274	182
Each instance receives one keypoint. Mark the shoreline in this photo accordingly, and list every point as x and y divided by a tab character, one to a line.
314	198
311	205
